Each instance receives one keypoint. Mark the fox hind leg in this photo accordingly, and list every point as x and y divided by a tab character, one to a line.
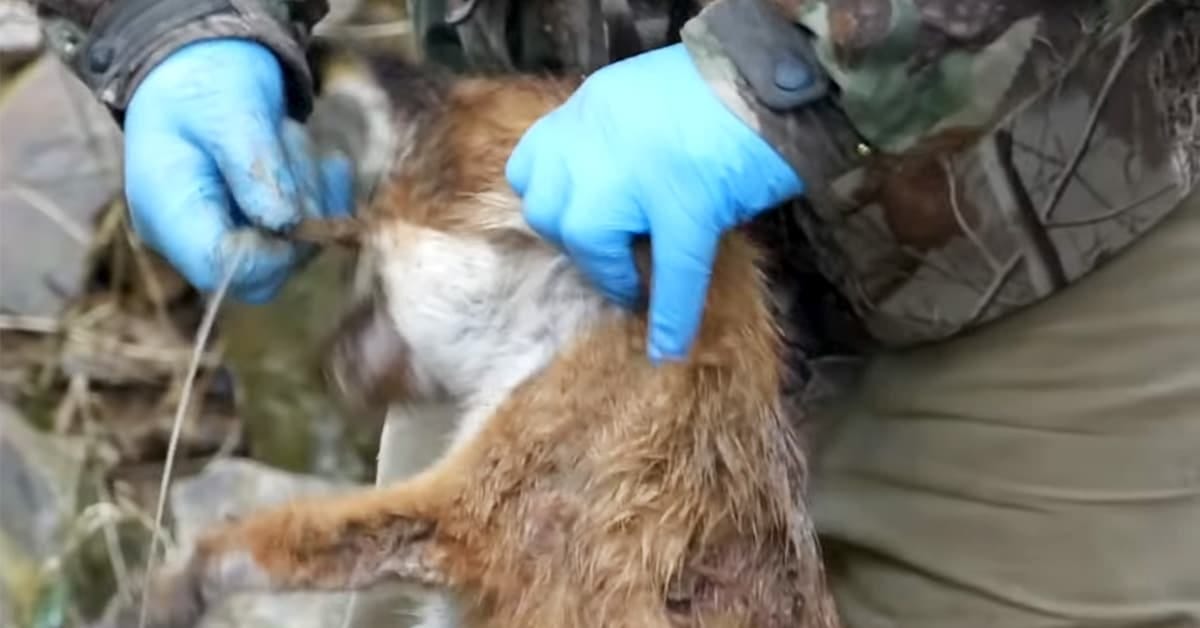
332	543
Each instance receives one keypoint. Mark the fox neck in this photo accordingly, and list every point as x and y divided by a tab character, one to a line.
480	318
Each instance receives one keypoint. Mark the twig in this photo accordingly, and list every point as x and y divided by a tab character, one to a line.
112	541
153	288
30	324
113	346
993	289
963	224
395	28
95	517
113	545
72	403
227	447
1128	45
51	211
326	231
206	325
1112	213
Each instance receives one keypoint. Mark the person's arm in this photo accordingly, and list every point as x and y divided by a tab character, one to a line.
765	68
897	71
763	101
210	95
111	45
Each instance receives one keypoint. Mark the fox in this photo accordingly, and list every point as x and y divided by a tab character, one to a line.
582	485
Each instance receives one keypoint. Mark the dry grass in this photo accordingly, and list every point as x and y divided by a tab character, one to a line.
110	371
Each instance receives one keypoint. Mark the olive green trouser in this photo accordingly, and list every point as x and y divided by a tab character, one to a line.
1043	471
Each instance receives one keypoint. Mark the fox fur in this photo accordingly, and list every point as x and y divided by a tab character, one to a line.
583	485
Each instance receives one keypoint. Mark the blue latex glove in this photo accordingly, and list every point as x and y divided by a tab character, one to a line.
212	164
644	146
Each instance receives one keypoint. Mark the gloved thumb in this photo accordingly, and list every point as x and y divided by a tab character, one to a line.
255	165
683	254
324	175
337	174
601	243
518	170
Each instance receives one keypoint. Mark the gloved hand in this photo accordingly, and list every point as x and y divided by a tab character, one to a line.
211	164
644	146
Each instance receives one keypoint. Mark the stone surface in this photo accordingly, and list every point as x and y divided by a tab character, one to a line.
20	36
234	487
59	166
39	478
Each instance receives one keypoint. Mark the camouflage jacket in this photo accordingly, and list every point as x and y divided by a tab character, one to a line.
111	44
964	158
1007	147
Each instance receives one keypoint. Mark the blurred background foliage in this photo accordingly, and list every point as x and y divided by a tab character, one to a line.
96	332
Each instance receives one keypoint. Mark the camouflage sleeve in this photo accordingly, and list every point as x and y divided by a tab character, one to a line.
1008	148
764	66
112	44
897	70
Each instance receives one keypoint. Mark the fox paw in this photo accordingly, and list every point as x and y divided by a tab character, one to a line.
174	600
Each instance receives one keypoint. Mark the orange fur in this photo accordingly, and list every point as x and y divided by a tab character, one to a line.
601	490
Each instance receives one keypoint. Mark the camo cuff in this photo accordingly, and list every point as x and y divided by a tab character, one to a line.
114	47
763	67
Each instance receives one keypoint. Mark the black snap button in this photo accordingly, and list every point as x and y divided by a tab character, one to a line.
792	75
100	57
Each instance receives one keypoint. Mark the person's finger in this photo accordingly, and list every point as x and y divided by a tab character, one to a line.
683	253
519	168
337	174
546	198
305	168
253	161
187	219
537	171
597	233
265	262
157	208
326	180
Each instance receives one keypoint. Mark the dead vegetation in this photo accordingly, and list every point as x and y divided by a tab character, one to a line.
90	384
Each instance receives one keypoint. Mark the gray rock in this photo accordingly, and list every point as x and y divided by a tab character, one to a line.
39	476
234	487
59	167
20	35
